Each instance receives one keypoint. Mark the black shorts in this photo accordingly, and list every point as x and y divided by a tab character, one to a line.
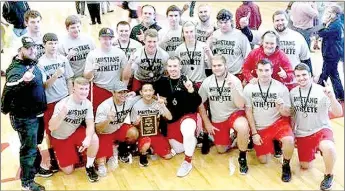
132	14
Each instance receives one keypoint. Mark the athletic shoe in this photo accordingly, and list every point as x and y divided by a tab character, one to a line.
143	162
286	173
327	182
243	166
185	169
102	170
44	173
33	186
91	174
113	163
54	166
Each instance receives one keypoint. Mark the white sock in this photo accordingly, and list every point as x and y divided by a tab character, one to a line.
90	161
177	146
187	128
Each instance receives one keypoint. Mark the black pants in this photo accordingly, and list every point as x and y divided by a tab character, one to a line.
80	6
94	10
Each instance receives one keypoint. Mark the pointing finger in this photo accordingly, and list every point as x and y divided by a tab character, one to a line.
158	96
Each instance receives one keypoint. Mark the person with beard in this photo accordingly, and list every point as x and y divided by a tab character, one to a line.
311	105
170	38
147	106
104	66
148	63
204	27
24	98
75	45
148	22
225	94
268	110
183	101
111	126
230	42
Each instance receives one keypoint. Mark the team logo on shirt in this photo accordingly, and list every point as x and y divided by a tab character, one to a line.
185	60
288	47
220	94
173	43
76	116
225	47
311	106
108	64
259	102
81	52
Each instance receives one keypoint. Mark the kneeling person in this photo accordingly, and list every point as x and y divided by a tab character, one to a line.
68	132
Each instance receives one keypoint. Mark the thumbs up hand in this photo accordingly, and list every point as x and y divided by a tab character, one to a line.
282	73
28	75
244	21
141	35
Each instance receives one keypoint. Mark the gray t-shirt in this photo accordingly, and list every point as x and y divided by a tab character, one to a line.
77	113
107	65
141	109
122	111
234	46
265	113
194	70
82	45
133	46
152	69
201	32
174	41
222	106
48	67
317	109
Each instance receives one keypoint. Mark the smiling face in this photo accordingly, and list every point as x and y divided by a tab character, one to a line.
280	22
174	68
81	91
148	14
218	67
303	77
147	92
123	31
204	13
269	44
264	72
74	30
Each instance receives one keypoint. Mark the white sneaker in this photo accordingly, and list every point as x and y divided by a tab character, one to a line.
185	168
113	163
102	170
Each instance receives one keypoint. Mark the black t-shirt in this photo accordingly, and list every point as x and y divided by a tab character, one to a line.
180	101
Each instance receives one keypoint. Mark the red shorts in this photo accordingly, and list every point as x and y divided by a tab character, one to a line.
174	131
99	95
136	85
66	149
47	116
308	146
222	137
106	141
280	129
158	143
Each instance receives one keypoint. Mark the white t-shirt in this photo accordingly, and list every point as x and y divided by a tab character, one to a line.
108	66
174	41
132	46
48	67
77	113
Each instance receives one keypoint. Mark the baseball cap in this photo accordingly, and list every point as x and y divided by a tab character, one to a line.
120	86
106	32
224	15
28	42
49	37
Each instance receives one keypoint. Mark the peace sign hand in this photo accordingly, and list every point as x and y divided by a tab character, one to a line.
328	90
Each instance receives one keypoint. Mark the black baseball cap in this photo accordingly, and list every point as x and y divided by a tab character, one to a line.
106	32
49	37
28	42
224	15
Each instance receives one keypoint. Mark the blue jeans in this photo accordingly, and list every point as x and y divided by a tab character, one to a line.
19	32
330	69
27	132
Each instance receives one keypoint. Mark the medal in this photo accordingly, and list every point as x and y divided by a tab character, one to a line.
192	62
305	115
151	74
174	102
266	107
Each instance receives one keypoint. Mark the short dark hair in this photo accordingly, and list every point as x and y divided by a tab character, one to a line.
302	66
264	62
147	83
123	23
173	8
280	12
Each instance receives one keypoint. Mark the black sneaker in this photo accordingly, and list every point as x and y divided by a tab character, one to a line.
91	173
327	182
124	152
250	144
243	165
33	186
143	162
54	166
286	173
44	173
277	149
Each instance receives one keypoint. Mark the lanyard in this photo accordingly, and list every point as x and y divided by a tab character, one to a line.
148	61
126	50
119	115
262	96
191	54
222	89
304	106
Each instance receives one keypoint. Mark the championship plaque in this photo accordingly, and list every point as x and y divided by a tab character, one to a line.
148	125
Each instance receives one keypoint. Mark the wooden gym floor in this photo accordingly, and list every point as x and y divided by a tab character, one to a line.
210	171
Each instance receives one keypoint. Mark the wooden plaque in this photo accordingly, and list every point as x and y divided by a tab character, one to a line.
148	125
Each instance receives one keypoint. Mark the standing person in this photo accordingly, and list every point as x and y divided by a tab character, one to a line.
267	108
148	22
225	94
68	134
332	48
106	7
251	8
147	106
94	10
183	101
148	63
80	7
170	38
230	42
24	98
205	27
13	12
57	77
75	45
303	15
110	126
311	104
133	12
104	66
